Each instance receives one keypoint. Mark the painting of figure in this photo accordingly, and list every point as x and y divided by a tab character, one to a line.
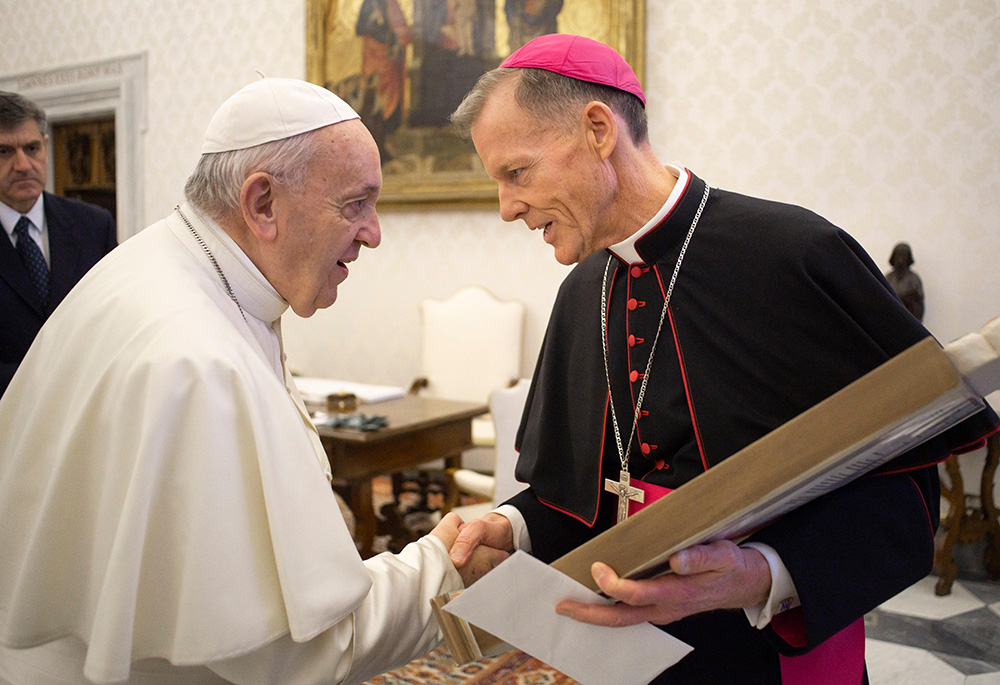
384	35
405	65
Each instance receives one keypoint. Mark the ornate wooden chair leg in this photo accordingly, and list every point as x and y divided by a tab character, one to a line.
992	553
946	567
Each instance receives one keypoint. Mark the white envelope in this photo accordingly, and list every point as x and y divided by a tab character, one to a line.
517	600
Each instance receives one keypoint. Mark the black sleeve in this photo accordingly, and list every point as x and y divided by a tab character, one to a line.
856	547
110	233
552	532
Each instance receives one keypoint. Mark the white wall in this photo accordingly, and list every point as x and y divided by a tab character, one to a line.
882	115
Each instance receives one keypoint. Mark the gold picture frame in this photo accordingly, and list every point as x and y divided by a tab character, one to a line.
404	65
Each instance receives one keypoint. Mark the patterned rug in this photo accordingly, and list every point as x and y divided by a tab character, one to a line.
512	668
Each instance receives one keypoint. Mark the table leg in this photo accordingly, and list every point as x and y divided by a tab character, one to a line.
359	499
947	568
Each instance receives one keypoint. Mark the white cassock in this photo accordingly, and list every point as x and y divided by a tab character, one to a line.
164	512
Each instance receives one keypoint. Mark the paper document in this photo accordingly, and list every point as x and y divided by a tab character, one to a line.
517	600
315	390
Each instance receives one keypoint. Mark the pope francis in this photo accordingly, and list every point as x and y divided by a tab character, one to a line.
166	505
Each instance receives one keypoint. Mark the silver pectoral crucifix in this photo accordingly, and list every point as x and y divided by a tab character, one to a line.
625	493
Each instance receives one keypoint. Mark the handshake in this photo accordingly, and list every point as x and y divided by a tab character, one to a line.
706	577
478	546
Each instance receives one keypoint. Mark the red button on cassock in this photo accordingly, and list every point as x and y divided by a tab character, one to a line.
631	341
645	448
636	272
632	304
634	376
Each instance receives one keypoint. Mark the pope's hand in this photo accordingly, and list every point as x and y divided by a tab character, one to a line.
719	575
491	531
478	561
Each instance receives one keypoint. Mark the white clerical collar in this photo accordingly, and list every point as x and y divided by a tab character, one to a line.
36	215
255	294
625	250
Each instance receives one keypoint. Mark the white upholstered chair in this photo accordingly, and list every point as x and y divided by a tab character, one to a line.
471	346
506	407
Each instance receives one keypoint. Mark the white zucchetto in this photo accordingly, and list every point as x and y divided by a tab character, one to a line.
272	109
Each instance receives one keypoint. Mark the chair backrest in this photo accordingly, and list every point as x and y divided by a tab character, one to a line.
471	344
506	406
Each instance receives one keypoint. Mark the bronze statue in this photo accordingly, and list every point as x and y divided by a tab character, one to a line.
905	282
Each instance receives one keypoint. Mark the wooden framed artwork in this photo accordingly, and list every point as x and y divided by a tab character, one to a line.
405	65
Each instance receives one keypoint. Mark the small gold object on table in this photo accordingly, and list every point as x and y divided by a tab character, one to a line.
341	402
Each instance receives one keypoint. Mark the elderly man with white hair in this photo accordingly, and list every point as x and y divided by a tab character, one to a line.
168	515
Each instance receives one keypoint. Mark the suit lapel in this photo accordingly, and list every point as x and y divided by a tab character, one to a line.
64	248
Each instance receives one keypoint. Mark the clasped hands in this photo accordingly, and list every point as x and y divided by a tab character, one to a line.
476	562
718	575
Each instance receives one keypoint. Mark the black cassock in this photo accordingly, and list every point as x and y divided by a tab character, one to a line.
774	310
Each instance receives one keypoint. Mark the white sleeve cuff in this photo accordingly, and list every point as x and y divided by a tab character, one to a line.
522	540
783	595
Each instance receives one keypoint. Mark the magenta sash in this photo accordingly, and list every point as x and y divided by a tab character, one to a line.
838	660
652	493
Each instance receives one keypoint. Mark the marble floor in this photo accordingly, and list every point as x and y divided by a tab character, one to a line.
918	638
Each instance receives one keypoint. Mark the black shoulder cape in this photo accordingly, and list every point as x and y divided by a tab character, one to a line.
774	310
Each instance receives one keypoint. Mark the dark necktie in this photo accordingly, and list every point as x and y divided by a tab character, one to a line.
33	259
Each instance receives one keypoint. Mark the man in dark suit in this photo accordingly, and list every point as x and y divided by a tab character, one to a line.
50	242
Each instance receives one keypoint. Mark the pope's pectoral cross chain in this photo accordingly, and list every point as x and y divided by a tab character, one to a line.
625	493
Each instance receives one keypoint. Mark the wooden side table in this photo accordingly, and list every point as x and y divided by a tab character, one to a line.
419	430
966	523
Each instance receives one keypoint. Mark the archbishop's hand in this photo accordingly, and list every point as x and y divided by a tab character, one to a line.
479	561
492	531
719	575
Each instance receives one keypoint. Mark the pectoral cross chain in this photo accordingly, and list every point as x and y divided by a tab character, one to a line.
625	493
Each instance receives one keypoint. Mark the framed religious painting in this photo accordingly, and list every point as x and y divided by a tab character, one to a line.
405	65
